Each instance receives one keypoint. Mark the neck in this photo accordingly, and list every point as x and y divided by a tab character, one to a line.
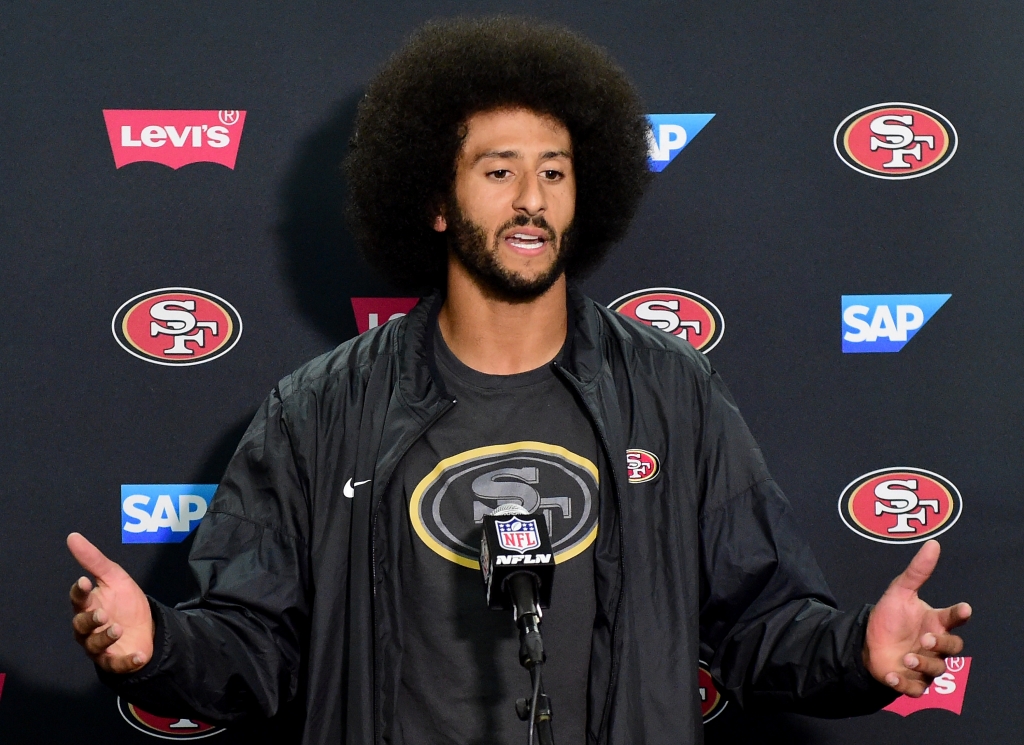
498	337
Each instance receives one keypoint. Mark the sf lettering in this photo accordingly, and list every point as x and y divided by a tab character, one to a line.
664	315
178	321
514	486
895	135
899	497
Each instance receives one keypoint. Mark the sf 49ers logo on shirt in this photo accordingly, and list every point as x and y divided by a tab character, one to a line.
641	465
711	702
895	140
174	138
900	505
166	728
177	326
677	312
945	692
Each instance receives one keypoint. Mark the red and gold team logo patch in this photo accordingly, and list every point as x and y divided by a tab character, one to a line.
166	728
900	505
677	312
895	140
177	326
711	702
641	466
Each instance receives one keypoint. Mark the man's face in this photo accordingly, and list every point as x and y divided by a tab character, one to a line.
513	202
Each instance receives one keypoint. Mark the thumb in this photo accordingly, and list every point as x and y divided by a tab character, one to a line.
919	569
90	557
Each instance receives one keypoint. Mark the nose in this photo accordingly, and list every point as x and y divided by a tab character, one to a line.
530	200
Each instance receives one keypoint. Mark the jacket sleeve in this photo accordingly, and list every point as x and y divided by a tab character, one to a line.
237	648
769	625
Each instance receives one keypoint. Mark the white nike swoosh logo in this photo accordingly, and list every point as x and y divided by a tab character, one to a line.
348	491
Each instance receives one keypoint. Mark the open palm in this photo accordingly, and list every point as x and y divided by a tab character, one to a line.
112	622
907	640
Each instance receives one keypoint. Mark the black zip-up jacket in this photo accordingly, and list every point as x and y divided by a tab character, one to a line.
299	581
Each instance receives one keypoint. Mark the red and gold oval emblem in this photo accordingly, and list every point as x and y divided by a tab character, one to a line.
177	326
900	505
895	140
711	702
641	465
166	728
677	312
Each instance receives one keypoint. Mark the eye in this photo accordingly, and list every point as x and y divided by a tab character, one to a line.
500	174
552	175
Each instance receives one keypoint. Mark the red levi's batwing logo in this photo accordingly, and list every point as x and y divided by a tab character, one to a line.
166	728
3	676
900	505
945	692
174	138
371	312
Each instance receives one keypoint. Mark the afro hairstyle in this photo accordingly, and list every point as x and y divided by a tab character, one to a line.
408	133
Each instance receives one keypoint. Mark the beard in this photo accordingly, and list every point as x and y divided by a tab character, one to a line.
470	244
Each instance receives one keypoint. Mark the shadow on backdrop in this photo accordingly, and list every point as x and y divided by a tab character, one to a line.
319	254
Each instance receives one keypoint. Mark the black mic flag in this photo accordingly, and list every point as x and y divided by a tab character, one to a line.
514	542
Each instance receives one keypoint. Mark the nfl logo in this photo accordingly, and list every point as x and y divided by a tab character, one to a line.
518	535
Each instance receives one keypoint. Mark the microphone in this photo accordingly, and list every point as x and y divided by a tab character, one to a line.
518	564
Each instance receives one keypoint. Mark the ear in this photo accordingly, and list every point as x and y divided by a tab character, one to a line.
440	224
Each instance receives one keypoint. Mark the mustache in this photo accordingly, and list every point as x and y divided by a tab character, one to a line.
521	221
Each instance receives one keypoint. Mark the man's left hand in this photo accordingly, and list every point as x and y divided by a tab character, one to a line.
907	641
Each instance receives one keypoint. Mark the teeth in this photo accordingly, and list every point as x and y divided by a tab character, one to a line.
523	236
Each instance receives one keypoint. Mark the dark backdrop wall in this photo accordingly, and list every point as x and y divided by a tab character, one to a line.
758	214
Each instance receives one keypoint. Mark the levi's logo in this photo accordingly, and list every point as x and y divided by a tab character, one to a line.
174	138
945	692
371	312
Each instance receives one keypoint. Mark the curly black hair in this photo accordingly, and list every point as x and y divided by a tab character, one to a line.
401	162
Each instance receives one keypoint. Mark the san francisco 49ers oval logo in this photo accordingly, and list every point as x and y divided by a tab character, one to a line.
900	505
177	326
711	702
677	312
641	466
166	728
895	140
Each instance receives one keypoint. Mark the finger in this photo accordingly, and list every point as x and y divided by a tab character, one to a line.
80	593
909	684
121	663
90	557
925	665
955	615
920	567
943	645
98	641
87	622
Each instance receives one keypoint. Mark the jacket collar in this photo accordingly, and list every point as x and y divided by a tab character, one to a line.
420	384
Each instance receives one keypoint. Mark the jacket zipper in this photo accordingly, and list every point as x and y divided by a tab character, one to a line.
613	669
446	406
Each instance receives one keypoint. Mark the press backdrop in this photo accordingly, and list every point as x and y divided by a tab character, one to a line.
758	214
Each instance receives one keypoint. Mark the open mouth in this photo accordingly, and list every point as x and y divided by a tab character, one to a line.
526	241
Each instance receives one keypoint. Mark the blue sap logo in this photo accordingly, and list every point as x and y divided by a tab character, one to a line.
885	323
162	513
669	134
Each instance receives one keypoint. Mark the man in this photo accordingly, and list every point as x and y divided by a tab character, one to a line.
493	162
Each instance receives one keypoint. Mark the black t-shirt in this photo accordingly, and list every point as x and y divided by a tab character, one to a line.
509	438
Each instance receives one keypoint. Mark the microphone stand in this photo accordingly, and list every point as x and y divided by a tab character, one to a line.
536	710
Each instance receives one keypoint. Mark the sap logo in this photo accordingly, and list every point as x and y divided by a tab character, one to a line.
669	134
371	312
946	691
174	138
162	513
523	559
885	323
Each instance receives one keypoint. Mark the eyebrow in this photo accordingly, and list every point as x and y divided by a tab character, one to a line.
516	155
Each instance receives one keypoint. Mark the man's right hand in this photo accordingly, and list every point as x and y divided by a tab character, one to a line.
112	622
